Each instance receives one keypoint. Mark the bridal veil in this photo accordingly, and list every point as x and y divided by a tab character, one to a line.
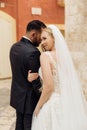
73	103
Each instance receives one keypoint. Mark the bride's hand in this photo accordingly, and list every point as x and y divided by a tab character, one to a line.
32	76
36	111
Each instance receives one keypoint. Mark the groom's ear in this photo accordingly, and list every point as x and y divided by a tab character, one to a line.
33	33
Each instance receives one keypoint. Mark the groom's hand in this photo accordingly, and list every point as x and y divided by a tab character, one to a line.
32	76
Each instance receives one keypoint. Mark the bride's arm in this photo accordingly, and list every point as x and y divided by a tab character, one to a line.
33	76
47	81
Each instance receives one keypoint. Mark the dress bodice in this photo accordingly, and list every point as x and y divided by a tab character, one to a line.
54	72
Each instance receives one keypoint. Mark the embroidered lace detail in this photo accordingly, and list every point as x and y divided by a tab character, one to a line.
54	72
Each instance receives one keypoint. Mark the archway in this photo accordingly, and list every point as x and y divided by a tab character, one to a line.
7	38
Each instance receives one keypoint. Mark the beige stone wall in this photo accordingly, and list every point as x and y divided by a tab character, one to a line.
76	36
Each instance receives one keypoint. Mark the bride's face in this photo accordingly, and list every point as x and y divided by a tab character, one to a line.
47	41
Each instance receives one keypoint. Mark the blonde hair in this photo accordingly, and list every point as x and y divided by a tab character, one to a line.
49	31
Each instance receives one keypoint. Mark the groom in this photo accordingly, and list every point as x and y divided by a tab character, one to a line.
24	56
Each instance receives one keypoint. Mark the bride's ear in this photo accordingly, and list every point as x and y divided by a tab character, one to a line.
54	41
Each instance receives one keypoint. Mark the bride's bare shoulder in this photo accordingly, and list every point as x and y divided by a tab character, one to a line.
44	56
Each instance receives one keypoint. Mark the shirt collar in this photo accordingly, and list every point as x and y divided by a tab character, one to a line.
26	38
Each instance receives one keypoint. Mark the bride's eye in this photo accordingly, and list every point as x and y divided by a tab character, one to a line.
44	38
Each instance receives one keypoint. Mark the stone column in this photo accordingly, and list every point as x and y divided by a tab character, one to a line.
76	36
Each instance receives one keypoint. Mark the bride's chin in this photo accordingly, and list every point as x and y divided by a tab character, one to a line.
46	49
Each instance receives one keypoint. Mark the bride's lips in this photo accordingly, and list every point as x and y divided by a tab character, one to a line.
45	46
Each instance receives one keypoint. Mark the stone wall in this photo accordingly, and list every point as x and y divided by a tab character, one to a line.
76	36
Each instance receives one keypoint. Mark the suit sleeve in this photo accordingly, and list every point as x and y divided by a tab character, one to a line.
34	64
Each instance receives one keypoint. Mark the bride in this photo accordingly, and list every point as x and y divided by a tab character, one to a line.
62	105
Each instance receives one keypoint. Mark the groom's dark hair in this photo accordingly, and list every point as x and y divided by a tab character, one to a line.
35	25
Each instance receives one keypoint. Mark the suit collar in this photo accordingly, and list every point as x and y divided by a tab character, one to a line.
26	40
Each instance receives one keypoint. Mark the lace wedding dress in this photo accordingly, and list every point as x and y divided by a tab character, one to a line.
52	116
49	117
67	108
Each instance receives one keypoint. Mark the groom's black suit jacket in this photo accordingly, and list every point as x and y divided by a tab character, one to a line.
24	57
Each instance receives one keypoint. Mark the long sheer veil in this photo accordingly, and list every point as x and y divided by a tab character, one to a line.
73	103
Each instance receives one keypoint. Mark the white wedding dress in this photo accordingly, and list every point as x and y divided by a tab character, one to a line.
51	115
66	109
